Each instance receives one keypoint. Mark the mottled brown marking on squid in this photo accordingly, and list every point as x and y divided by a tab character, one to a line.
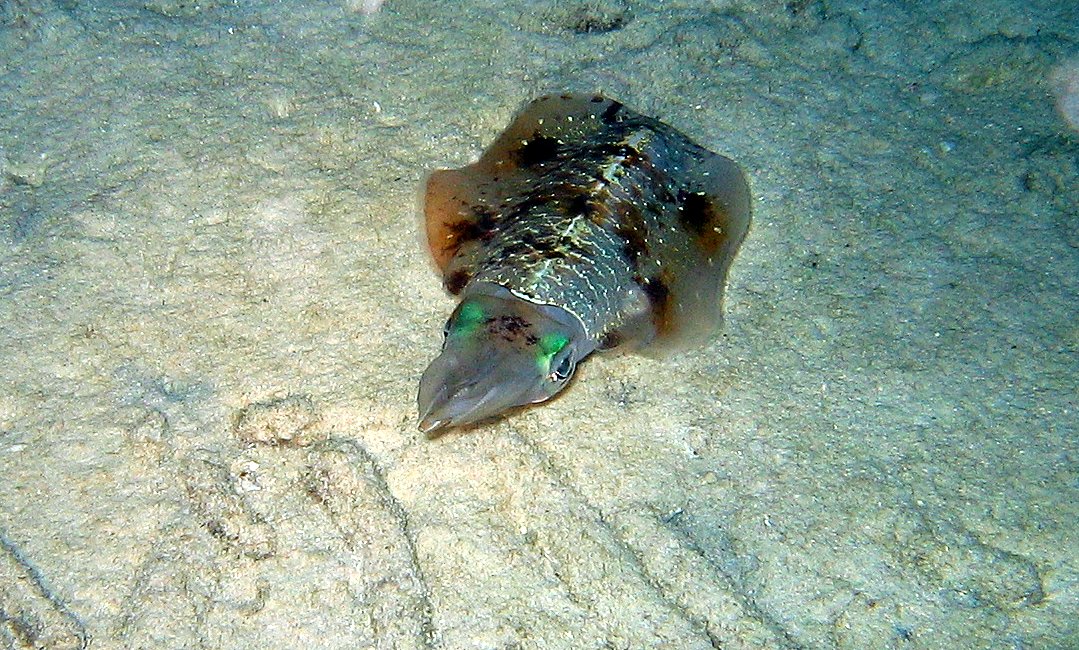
456	281
511	328
702	217
458	233
658	290
536	151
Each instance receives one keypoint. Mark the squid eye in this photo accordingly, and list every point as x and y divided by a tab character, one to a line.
446	334
563	365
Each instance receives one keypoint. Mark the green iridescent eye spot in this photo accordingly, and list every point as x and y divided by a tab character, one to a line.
549	347
469	317
552	344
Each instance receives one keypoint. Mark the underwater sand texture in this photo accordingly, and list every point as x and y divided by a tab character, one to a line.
215	307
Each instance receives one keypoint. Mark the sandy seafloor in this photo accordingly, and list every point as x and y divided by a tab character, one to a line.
215	308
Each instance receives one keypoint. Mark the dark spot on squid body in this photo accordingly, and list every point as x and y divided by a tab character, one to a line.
700	216
537	151
457	280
